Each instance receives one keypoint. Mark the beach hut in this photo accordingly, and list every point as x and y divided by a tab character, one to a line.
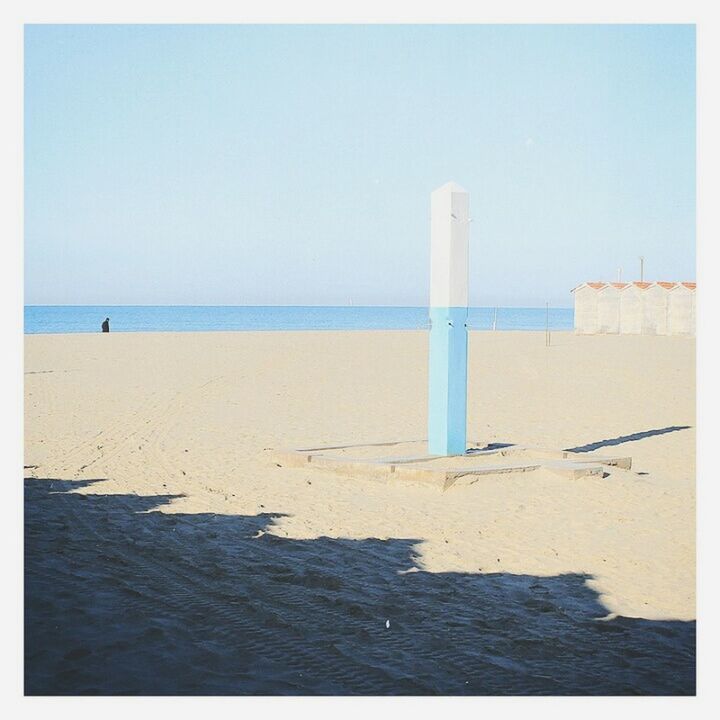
608	309
635	308
681	309
586	307
631	309
655	308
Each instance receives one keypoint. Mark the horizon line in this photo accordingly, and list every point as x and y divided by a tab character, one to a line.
210	305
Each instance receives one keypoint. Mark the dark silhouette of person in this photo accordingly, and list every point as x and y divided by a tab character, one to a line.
106	325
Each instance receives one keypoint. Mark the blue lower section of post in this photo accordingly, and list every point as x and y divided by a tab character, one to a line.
447	399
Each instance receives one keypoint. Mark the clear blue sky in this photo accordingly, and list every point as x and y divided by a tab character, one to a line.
294	164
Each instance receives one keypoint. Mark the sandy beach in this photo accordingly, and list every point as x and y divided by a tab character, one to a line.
151	492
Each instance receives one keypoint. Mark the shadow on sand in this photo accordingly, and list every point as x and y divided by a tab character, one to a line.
120	600
627	438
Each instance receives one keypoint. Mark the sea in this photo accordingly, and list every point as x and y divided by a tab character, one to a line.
45	319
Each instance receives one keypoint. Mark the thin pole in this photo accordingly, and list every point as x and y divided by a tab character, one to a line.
547	324
495	320
642	268
619	274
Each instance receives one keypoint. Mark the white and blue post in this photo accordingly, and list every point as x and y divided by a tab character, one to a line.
447	400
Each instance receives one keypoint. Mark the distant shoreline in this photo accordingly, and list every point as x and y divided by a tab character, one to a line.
299	330
337	307
73	319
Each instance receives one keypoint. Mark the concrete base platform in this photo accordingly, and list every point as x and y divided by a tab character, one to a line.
409	460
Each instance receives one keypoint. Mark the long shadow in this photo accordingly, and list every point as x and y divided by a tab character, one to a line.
120	600
627	438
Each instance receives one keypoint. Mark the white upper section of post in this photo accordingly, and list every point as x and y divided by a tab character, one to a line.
449	234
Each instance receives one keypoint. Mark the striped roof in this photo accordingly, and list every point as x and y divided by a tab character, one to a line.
599	285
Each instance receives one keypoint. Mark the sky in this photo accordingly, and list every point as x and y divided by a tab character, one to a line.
293	165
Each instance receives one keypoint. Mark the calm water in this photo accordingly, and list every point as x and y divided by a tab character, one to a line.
185	318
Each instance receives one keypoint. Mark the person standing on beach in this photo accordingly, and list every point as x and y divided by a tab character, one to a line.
106	325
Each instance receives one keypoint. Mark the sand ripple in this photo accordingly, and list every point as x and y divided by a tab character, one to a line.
122	600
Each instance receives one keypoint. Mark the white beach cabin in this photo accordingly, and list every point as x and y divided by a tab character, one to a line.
655	307
635	308
681	309
631	309
586	308
609	309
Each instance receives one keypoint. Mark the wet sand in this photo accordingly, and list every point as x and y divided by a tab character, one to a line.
167	553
